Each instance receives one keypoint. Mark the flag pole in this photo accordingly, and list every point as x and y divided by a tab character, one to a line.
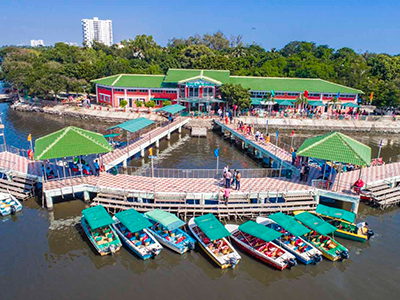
217	165
379	150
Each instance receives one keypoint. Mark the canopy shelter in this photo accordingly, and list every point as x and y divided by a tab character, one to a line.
111	135
316	103
97	217
336	146
171	109
350	104
133	220
134	125
260	231
70	141
336	213
211	227
168	220
289	224
258	101
286	103
315	223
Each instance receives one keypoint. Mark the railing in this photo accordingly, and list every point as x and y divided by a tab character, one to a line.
195	173
14	150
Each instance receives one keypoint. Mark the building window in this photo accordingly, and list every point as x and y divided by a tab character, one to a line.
142	91
118	90
313	95
170	92
279	94
157	91
293	94
130	102
131	91
193	92
208	92
182	91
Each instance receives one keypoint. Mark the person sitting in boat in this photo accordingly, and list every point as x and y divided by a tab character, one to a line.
363	227
358	185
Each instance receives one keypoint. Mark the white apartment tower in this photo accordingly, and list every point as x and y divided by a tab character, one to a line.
37	43
97	30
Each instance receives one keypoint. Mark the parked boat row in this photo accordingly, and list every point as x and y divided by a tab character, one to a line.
279	240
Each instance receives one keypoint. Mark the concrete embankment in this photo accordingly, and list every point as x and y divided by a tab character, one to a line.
385	124
103	115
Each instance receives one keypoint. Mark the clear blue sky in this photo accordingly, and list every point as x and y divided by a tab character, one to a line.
366	25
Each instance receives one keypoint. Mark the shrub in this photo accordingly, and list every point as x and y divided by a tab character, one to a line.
166	103
150	103
138	103
123	103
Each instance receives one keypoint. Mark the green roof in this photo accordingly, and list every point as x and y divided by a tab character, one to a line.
315	223
211	227
258	230
70	141
168	220
132	80
172	109
336	213
289	223
184	75
133	220
336	146
97	217
291	84
133	125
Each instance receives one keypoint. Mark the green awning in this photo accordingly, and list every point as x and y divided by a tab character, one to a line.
133	220
315	103
211	227
97	217
70	141
279	101
160	99
286	103
349	104
257	101
258	230
168	220
133	125
336	146
172	109
336	213
315	223
289	223
111	135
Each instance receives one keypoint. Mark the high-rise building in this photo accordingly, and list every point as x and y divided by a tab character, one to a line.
37	43
97	30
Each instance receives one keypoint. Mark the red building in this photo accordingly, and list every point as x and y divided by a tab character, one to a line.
200	87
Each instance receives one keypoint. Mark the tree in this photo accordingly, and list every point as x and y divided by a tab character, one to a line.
166	103
138	103
301	101
236	95
150	104
123	103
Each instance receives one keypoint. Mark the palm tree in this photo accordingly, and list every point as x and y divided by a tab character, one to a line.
334	102
301	101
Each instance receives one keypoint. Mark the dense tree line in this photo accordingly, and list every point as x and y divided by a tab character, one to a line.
68	68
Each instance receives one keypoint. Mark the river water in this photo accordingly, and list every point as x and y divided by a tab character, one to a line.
45	255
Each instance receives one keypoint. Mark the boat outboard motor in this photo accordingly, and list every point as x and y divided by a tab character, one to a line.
291	262
370	233
233	261
344	255
112	249
13	209
316	258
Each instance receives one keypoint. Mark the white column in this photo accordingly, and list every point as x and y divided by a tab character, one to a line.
157	143
126	96
49	202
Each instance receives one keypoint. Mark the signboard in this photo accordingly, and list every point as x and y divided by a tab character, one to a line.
199	83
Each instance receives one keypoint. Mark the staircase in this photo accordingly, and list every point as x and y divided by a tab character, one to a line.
19	186
383	195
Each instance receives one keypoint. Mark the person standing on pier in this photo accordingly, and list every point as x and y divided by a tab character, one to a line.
96	167
227	192
238	177
228	178
293	155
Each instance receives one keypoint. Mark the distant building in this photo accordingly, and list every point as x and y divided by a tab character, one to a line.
194	88
97	30
37	43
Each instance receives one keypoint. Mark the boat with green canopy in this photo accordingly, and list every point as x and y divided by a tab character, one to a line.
291	237
258	241
319	236
166	229
131	227
344	221
211	235
96	225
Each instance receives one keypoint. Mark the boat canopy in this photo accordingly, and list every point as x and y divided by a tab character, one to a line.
168	220
289	223
211	227
336	213
97	217
133	220
258	230
315	223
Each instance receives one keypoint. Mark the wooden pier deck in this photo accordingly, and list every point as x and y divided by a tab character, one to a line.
121	155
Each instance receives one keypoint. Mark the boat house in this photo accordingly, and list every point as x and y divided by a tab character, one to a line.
194	88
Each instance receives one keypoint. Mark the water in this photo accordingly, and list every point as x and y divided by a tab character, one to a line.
45	255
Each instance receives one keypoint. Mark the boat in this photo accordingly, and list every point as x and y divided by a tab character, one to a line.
131	227
211	235
96	224
9	204
319	236
166	229
291	237
257	240
343	220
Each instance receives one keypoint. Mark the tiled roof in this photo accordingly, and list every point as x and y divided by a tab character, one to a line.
132	80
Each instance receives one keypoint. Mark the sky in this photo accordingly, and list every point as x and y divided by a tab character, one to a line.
367	25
